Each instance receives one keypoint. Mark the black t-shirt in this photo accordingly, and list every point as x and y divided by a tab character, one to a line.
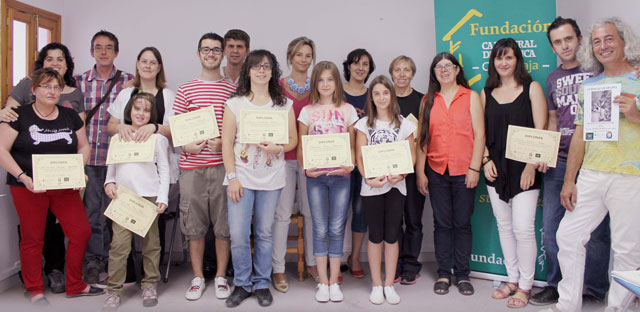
410	104
39	136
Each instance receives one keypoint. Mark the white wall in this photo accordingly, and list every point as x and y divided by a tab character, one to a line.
386	29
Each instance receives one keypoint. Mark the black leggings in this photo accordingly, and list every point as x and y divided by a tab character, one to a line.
384	215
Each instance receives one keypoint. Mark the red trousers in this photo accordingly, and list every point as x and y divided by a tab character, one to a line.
32	210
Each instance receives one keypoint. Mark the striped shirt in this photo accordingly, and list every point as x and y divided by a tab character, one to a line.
197	94
93	88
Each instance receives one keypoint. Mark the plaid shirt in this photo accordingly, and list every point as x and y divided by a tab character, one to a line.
93	88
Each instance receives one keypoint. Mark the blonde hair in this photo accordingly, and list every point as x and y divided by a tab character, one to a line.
338	93
296	44
402	58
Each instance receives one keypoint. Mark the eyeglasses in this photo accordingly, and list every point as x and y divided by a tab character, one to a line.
50	87
266	67
206	50
444	67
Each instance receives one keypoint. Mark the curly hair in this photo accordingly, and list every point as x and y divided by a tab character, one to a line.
244	81
68	75
588	60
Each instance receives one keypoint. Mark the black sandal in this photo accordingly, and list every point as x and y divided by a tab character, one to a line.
465	287
441	287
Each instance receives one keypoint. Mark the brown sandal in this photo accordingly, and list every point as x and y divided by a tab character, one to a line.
505	291
520	299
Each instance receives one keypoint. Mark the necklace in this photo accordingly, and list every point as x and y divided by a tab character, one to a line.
295	88
43	115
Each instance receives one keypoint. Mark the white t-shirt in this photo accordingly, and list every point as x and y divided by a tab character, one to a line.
384	133
256	169
147	179
116	109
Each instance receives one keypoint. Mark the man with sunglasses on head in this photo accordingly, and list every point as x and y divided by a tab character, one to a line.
203	199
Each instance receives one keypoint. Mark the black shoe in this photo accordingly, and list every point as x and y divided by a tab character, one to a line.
547	295
409	278
264	297
92	275
56	281
93	291
591	300
237	296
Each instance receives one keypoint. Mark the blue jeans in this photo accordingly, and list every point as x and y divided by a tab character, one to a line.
95	203
359	218
329	204
240	213
596	278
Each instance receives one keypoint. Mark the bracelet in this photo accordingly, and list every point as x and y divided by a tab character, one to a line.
21	173
478	171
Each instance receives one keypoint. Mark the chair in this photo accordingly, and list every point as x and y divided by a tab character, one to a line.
298	220
634	290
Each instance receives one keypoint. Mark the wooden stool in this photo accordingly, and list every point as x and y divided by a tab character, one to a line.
298	220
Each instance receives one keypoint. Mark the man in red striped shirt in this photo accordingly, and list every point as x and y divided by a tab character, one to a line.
203	198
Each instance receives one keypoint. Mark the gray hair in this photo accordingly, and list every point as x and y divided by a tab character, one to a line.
588	60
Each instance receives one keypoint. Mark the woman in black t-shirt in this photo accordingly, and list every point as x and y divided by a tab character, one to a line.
46	128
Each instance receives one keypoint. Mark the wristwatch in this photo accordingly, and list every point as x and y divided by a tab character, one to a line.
231	176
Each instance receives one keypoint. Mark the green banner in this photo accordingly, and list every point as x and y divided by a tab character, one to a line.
468	29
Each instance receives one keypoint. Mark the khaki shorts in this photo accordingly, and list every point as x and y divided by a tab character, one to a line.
203	201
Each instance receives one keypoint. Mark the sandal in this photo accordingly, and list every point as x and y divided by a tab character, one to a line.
465	287
441	287
505	291
520	299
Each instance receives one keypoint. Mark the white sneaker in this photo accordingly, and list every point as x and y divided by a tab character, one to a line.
377	295
197	287
335	294
322	294
391	295
222	288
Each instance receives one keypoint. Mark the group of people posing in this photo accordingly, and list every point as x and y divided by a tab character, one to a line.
233	192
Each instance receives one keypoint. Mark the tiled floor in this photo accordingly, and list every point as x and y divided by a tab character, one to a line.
300	298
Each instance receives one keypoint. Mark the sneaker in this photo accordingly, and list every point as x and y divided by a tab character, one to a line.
149	296
111	303
264	297
335	294
195	290
322	294
222	288
91	275
548	295
103	283
397	278
409	278
237	296
377	295
391	295
56	281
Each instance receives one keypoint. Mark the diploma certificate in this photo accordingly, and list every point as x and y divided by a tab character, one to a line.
414	120
57	171
123	152
387	159
326	150
131	211
264	126
531	145
601	115
194	126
